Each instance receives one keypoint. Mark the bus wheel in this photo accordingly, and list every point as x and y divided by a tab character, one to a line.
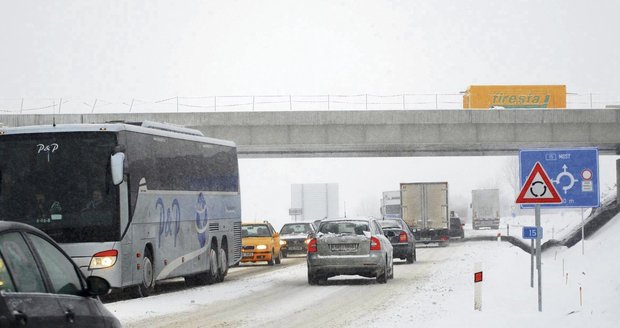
212	275
147	286
223	265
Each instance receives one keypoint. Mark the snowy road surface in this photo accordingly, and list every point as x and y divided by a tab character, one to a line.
261	296
437	291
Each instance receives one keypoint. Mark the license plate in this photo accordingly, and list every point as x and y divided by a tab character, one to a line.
295	248
248	254
343	247
426	239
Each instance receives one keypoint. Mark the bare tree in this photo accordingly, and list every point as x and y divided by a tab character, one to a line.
511	174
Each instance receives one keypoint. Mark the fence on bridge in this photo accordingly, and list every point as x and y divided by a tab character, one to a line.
268	103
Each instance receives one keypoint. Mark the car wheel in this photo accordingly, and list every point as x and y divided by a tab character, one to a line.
410	257
312	279
279	258
270	262
383	276
147	286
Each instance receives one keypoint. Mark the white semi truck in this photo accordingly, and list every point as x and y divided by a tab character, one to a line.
425	209
485	208
314	201
390	204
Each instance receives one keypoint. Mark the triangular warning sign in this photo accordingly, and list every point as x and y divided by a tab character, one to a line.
538	189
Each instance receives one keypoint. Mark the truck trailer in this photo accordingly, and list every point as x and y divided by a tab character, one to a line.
390	204
424	207
515	96
485	208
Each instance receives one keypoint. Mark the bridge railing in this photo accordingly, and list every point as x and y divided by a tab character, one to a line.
267	103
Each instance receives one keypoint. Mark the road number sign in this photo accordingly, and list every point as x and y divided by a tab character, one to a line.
531	232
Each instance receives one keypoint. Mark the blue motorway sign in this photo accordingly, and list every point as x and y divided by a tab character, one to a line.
531	233
573	172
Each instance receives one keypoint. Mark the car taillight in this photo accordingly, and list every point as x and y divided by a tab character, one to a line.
103	259
403	237
443	238
312	246
375	244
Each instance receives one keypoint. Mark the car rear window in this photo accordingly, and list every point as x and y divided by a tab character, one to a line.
389	224
345	227
294	228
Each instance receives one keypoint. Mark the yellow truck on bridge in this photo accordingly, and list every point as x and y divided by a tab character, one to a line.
515	96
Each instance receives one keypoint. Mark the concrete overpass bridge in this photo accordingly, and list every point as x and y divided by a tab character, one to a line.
382	133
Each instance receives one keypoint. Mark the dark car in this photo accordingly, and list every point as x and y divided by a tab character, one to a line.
294	237
456	226
401	237
40	286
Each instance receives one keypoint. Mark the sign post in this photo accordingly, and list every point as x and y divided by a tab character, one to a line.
537	190
478	286
532	264
532	233
294	212
538	262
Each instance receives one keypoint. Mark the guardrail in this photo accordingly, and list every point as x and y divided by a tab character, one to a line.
268	103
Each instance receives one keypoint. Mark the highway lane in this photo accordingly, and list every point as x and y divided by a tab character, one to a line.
265	296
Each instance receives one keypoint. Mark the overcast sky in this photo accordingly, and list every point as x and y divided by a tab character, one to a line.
161	49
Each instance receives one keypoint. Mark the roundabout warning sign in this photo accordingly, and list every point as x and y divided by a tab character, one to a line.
538	188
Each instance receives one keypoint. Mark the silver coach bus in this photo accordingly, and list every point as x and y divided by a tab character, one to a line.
133	203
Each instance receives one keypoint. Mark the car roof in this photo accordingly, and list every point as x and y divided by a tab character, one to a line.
389	221
348	219
11	225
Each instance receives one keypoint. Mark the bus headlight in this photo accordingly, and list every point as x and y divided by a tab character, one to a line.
261	247
103	259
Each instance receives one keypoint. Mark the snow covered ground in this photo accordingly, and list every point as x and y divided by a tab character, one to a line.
556	225
437	291
578	290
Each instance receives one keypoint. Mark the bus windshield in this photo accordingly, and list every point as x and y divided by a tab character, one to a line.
61	184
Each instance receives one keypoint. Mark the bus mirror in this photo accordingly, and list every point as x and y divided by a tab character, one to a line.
116	163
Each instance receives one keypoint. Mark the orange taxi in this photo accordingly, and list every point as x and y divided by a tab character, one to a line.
260	242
